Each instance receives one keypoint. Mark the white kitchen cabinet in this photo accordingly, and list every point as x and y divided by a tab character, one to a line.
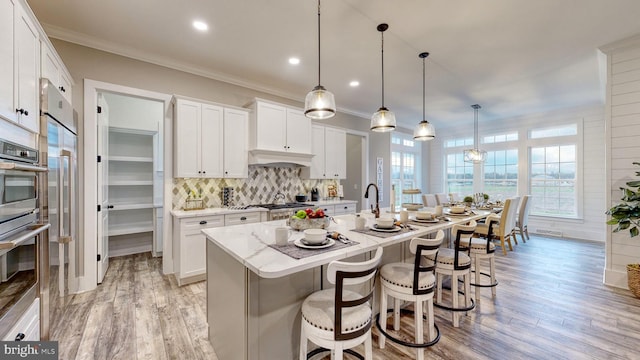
210	140
189	244
329	147
54	70
236	143
28	325
329	210
345	208
279	128
7	108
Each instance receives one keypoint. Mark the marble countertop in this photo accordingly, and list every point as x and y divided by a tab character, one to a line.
249	243
330	202
211	211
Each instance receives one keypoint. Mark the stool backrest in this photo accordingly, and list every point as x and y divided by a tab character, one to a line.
459	232
429	200
523	213
501	229
343	274
427	248
442	198
511	215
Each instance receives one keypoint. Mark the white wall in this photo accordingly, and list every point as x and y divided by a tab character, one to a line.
623	147
591	225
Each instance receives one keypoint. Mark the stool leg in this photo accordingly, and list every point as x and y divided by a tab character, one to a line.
396	314
303	343
439	288
419	335
454	299
467	289
492	273
368	348
337	353
476	261
430	318
383	317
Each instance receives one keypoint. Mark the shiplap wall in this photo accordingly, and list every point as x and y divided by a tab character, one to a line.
591	225
623	146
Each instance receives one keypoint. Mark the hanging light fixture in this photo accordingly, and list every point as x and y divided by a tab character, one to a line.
424	131
383	120
319	103
475	155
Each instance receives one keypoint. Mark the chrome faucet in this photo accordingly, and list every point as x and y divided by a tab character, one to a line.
375	211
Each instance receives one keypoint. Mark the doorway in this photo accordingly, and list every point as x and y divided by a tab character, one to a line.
125	154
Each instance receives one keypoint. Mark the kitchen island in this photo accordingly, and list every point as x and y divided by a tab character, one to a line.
254	292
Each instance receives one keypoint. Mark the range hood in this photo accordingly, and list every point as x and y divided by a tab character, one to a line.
279	158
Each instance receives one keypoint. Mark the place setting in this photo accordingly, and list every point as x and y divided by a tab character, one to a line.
312	242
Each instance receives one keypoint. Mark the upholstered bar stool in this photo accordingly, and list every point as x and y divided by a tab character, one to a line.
455	263
481	249
339	319
414	283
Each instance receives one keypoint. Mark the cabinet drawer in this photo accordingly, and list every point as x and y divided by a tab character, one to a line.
242	218
345	209
29	324
202	222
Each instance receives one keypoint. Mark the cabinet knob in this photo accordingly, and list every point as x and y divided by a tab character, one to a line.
22	111
204	172
199	172
109	206
203	222
243	218
19	337
325	209
62	89
346	207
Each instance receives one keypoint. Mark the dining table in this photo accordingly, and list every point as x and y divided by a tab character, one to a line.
255	287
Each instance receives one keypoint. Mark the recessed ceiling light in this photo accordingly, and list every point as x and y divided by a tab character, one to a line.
354	83
200	25
294	61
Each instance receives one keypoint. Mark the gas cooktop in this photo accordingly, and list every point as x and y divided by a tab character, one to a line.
282	206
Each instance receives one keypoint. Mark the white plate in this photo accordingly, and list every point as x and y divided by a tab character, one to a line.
395	228
299	244
466	213
429	221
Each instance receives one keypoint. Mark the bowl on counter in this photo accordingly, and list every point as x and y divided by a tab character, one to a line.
309	223
458	209
301	198
424	215
385	222
412	206
315	236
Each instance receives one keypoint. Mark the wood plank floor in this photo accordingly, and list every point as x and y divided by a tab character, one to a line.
551	304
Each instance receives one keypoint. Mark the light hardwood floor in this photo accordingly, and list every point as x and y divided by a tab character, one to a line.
551	304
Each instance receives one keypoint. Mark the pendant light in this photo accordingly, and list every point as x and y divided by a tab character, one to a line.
319	103
383	120
475	155
424	131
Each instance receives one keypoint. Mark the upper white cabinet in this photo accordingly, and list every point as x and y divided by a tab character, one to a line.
53	69
276	127
7	109
210	140
329	147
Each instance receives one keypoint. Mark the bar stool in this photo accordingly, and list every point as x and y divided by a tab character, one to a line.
339	319
479	250
414	283
455	263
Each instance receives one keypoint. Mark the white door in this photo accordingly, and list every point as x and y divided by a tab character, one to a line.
271	127
103	188
211	141
7	108
236	137
317	170
298	132
28	64
187	135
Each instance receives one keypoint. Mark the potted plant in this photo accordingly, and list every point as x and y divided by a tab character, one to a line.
626	216
468	200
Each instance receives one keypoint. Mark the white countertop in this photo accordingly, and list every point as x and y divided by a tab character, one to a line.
211	211
330	202
249	243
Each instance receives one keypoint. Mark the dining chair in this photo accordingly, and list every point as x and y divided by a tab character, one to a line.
339	319
413	283
501	225
429	200
482	249
523	217
442	199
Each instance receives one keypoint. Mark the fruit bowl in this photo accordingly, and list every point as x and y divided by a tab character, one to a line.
309	223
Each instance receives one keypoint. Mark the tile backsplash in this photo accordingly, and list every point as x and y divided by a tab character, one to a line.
260	187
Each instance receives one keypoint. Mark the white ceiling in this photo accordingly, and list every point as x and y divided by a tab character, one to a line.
513	57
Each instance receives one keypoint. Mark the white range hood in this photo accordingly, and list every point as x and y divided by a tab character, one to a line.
279	158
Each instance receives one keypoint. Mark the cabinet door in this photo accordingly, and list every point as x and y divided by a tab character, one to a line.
7	108
329	210
27	61
236	137
298	132
317	149
335	152
211	141
50	67
271	127
192	254
65	87
187	137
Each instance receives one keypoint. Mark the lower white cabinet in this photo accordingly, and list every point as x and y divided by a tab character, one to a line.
342	209
189	244
28	326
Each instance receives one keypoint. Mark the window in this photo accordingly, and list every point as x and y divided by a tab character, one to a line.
565	130
501	174
405	160
458	142
492	139
553	180
459	174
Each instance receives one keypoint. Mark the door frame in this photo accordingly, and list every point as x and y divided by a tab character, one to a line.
89	174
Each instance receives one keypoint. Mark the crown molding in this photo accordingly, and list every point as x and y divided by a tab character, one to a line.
631	41
67	35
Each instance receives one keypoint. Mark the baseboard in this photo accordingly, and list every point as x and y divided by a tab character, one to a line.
616	278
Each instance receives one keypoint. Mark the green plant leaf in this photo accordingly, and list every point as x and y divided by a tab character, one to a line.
612	222
624	224
635	183
633	231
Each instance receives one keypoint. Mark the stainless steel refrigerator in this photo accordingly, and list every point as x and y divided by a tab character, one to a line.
59	202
